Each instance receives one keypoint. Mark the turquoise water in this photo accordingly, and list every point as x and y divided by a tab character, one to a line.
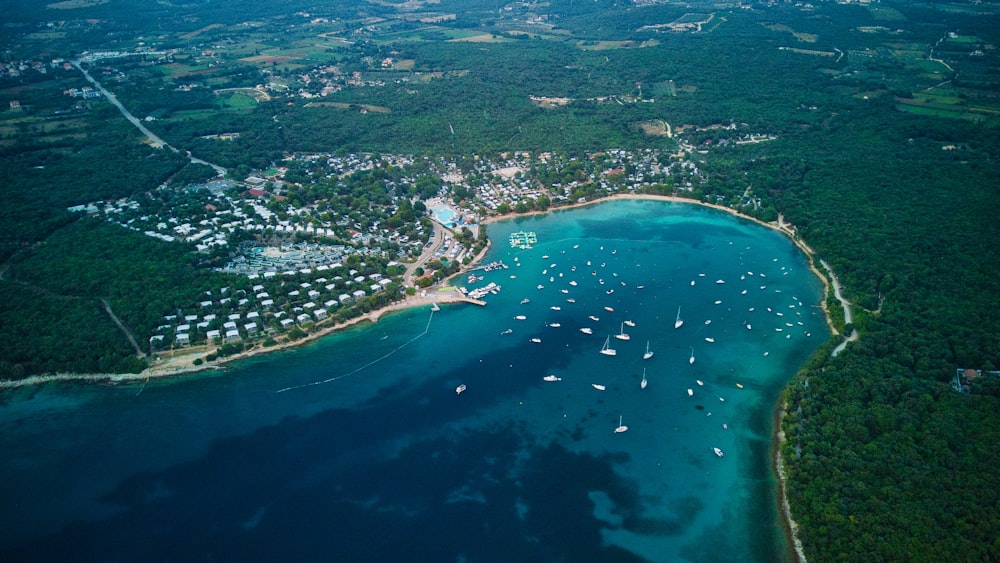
444	215
358	448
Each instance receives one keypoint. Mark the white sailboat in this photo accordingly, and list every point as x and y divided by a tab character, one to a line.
642	384
649	353
691	359
607	350
678	322
621	427
621	334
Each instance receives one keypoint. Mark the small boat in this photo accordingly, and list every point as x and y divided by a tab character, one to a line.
607	350
643	383
718	302
718	452
621	427
525	300
629	323
556	308
622	335
739	385
572	283
520	317
459	389
571	300
690	392
609	309
709	339
555	325
649	353
593	318
552	378
587	330
699	382
540	286
536	340
597	386
678	322
508	331
691	359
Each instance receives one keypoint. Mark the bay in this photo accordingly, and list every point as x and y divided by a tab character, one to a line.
357	447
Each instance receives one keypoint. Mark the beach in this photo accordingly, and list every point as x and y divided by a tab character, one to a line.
387	392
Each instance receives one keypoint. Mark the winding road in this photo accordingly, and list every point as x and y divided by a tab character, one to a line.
848	314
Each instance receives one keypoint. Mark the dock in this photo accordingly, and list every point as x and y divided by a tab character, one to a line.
523	239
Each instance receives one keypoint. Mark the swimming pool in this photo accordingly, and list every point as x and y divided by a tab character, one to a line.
444	215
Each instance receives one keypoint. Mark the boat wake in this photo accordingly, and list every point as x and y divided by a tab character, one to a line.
366	366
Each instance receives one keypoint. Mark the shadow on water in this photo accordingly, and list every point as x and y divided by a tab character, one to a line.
386	481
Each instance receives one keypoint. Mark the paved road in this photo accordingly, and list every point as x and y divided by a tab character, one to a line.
154	140
428	252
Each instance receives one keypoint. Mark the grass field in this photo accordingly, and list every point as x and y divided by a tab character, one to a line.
239	101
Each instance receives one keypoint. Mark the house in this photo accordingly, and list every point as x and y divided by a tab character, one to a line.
285	323
232	335
212	334
182	338
251	328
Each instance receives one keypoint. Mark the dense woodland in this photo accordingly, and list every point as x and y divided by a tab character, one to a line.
886	461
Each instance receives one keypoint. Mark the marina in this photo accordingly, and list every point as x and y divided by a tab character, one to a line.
374	405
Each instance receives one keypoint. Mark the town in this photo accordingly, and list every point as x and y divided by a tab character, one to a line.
321	232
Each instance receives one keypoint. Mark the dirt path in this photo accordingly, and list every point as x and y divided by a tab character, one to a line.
128	333
848	313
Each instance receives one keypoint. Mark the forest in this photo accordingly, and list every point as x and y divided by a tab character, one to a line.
884	160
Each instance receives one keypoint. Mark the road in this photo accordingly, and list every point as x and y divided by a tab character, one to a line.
154	140
848	314
436	241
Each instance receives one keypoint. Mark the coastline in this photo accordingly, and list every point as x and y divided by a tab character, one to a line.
788	524
183	364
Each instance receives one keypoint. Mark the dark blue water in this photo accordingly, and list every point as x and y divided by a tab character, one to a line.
369	454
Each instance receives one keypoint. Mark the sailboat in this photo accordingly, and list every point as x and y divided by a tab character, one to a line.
643	383
621	334
691	359
621	427
678	322
607	350
649	353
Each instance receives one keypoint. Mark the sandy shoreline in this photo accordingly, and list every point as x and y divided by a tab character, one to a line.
183	364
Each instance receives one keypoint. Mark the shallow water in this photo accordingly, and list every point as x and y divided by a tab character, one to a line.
358	448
